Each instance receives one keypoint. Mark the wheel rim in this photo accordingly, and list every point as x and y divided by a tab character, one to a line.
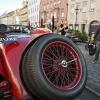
61	65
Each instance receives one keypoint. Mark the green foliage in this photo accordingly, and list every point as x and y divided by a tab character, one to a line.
85	36
78	34
82	36
70	30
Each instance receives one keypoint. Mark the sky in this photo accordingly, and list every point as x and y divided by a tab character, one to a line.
9	5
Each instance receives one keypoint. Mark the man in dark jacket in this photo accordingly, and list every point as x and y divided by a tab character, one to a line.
97	39
62	29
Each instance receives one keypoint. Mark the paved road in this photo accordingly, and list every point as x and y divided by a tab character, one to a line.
88	95
93	80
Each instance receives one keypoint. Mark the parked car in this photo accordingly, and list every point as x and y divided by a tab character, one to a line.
18	29
44	66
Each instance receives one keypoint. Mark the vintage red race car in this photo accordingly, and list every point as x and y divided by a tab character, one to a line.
40	65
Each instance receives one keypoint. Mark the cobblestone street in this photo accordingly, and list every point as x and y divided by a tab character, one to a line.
93	80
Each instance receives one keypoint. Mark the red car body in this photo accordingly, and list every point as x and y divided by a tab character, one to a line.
12	52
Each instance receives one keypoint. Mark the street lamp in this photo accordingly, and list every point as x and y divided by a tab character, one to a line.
53	23
76	11
67	13
41	22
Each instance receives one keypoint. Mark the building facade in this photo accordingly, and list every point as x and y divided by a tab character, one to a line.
24	13
11	18
83	14
33	12
53	10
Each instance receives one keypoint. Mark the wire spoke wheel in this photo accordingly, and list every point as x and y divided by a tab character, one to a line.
54	68
61	65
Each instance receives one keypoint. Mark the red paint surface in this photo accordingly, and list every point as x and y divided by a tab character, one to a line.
41	31
12	79
10	57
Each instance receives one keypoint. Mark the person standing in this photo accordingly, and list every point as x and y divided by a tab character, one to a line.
62	29
97	39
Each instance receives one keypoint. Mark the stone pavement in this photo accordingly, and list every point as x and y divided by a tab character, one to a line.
93	80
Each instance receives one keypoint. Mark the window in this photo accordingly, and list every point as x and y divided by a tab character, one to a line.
51	6
92	5
59	2
51	15
55	15
62	14
79	6
72	8
72	0
37	8
85	8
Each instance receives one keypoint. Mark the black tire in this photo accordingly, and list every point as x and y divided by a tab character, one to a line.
40	84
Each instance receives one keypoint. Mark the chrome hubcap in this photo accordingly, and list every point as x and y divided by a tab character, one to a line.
64	64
